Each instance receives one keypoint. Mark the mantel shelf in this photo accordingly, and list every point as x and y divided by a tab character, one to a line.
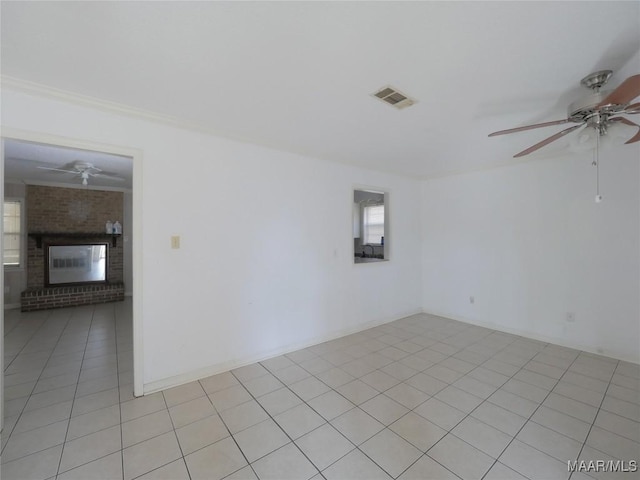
38	236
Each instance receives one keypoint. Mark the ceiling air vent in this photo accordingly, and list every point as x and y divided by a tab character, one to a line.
393	97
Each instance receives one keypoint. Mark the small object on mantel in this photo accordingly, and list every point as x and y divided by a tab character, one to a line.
117	228
109	227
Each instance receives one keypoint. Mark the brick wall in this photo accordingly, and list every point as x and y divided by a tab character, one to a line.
70	210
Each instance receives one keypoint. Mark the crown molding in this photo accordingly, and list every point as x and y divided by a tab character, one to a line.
27	86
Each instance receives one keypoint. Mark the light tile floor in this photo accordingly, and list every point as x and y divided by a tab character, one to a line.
419	398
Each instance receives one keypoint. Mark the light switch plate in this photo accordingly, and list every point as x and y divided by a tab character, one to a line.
175	241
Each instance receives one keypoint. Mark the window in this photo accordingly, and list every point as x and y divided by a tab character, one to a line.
12	233
370	226
373	224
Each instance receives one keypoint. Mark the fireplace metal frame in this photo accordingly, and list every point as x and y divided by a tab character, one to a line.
47	246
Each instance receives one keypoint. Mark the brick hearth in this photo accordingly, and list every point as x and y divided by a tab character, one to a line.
58	297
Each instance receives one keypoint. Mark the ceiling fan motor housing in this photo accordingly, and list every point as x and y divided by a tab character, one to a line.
590	109
84	166
586	107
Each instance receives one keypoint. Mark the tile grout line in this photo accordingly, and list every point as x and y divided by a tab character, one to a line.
357	447
225	426
402	381
423	454
36	383
270	372
100	430
274	421
175	434
93	311
115	331
486	399
328	422
449	431
44	321
529	419
596	416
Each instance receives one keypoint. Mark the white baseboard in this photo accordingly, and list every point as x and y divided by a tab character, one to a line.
188	377
532	335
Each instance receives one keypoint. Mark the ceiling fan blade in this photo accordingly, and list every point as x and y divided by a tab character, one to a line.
631	109
529	127
636	137
58	170
627	91
547	141
110	177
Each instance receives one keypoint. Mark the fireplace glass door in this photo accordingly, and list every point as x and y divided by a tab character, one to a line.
75	264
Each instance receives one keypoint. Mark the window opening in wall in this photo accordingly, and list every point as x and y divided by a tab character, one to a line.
370	226
12	221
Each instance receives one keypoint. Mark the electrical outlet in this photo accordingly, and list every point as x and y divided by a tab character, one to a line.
571	317
472	299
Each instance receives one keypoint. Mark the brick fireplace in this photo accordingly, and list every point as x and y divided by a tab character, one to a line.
71	216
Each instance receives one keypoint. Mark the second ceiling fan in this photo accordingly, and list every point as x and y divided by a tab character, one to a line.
84	170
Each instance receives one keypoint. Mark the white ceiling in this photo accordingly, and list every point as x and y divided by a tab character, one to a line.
298	75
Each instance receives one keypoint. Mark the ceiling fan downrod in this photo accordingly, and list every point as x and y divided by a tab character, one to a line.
596	161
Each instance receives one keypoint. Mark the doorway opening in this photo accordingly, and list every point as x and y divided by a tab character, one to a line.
79	181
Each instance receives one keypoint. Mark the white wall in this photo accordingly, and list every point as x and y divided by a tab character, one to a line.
266	259
2	309
530	244
127	239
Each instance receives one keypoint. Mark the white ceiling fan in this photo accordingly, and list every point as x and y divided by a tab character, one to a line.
84	170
